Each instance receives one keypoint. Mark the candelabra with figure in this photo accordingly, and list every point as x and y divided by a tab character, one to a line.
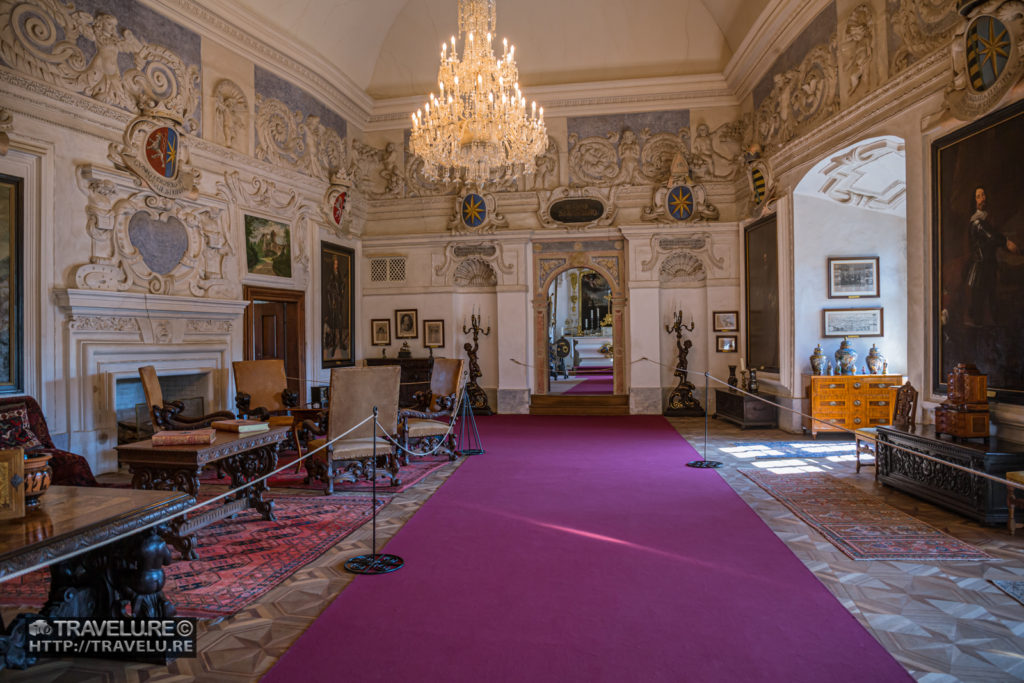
476	395
681	402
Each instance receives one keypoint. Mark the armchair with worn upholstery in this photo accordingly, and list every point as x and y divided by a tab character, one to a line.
353	394
22	425
167	414
262	389
425	425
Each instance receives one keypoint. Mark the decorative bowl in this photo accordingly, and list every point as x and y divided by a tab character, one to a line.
37	479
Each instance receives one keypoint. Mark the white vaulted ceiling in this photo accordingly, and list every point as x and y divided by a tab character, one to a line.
389	48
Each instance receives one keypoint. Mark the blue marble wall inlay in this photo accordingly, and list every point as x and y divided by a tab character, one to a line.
655	121
269	85
818	32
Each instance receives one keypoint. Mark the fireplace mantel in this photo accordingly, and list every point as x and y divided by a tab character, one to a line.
112	334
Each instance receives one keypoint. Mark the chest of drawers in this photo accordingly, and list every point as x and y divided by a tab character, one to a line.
850	401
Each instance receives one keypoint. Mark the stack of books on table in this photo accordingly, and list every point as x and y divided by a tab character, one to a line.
185	437
240	426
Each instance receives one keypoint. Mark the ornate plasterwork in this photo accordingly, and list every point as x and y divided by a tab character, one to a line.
304	144
698	244
6	123
263	195
480	264
966	100
682	268
856	53
50	40
335	207
624	158
476	212
230	115
845	171
208	326
547	266
923	26
701	208
545	174
156	151
95	323
116	264
800	99
606	195
377	172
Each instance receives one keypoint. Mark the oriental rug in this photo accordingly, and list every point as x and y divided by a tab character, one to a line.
861	526
1015	589
240	559
768	450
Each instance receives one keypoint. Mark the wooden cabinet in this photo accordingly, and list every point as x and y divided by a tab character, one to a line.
415	376
745	411
850	401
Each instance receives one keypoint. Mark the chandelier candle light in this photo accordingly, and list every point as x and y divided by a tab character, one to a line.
478	129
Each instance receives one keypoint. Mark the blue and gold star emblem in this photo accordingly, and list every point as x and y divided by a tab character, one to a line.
474	211
988	51
680	202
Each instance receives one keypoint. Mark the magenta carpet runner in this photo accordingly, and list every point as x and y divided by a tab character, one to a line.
595	384
583	549
860	525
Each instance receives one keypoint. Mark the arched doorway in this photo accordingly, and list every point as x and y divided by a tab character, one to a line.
606	259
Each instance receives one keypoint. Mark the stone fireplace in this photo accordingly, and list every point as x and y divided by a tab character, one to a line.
110	335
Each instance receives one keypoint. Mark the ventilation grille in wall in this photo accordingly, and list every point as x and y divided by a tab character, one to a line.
387	269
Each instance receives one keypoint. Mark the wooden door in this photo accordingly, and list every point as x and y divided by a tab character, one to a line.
275	328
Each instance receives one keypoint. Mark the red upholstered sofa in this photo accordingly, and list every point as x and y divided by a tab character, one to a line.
68	469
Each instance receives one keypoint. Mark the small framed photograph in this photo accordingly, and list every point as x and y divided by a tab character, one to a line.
407	323
726	321
726	343
380	331
852	278
852	322
433	334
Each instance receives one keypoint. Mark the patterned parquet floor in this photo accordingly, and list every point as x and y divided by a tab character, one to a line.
944	621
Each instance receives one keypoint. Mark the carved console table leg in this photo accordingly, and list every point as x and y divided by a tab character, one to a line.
246	467
163	479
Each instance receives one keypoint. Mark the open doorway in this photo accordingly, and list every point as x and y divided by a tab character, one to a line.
580	334
275	328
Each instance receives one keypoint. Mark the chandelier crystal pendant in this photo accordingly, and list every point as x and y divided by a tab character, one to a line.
477	128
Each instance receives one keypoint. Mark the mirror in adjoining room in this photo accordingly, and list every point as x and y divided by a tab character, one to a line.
580	334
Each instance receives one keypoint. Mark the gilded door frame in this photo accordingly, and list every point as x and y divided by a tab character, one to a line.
551	258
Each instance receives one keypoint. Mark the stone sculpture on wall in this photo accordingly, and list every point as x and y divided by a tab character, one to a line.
476	212
6	123
377	173
856	54
144	242
230	115
546	174
480	264
624	158
301	143
699	246
987	57
922	27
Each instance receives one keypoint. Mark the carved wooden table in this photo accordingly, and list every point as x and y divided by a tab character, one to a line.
243	456
980	499
101	583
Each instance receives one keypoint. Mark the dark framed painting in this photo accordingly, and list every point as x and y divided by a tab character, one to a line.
852	322
978	252
726	343
380	331
433	334
761	271
853	278
407	323
268	246
11	283
726	321
337	305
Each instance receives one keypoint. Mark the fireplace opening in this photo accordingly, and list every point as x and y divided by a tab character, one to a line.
133	419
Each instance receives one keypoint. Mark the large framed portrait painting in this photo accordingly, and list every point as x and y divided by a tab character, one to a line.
336	305
978	251
11	367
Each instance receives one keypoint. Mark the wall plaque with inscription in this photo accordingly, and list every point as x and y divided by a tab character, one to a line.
577	210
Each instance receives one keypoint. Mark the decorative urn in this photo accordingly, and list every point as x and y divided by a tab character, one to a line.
818	361
846	358
37	479
875	361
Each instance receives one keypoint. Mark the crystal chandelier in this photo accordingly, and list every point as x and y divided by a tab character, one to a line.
477	128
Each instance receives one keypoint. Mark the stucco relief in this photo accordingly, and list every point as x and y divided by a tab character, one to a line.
208	326
545	175
845	171
856	54
923	26
114	211
591	216
92	323
800	99
481	264
230	115
50	40
302	143
699	245
476	212
378	172
6	123
977	88
624	158
682	268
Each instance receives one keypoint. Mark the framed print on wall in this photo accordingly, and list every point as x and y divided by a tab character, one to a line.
851	322
726	321
268	246
407	323
726	343
11	367
852	278
978	252
380	332
337	304
433	334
